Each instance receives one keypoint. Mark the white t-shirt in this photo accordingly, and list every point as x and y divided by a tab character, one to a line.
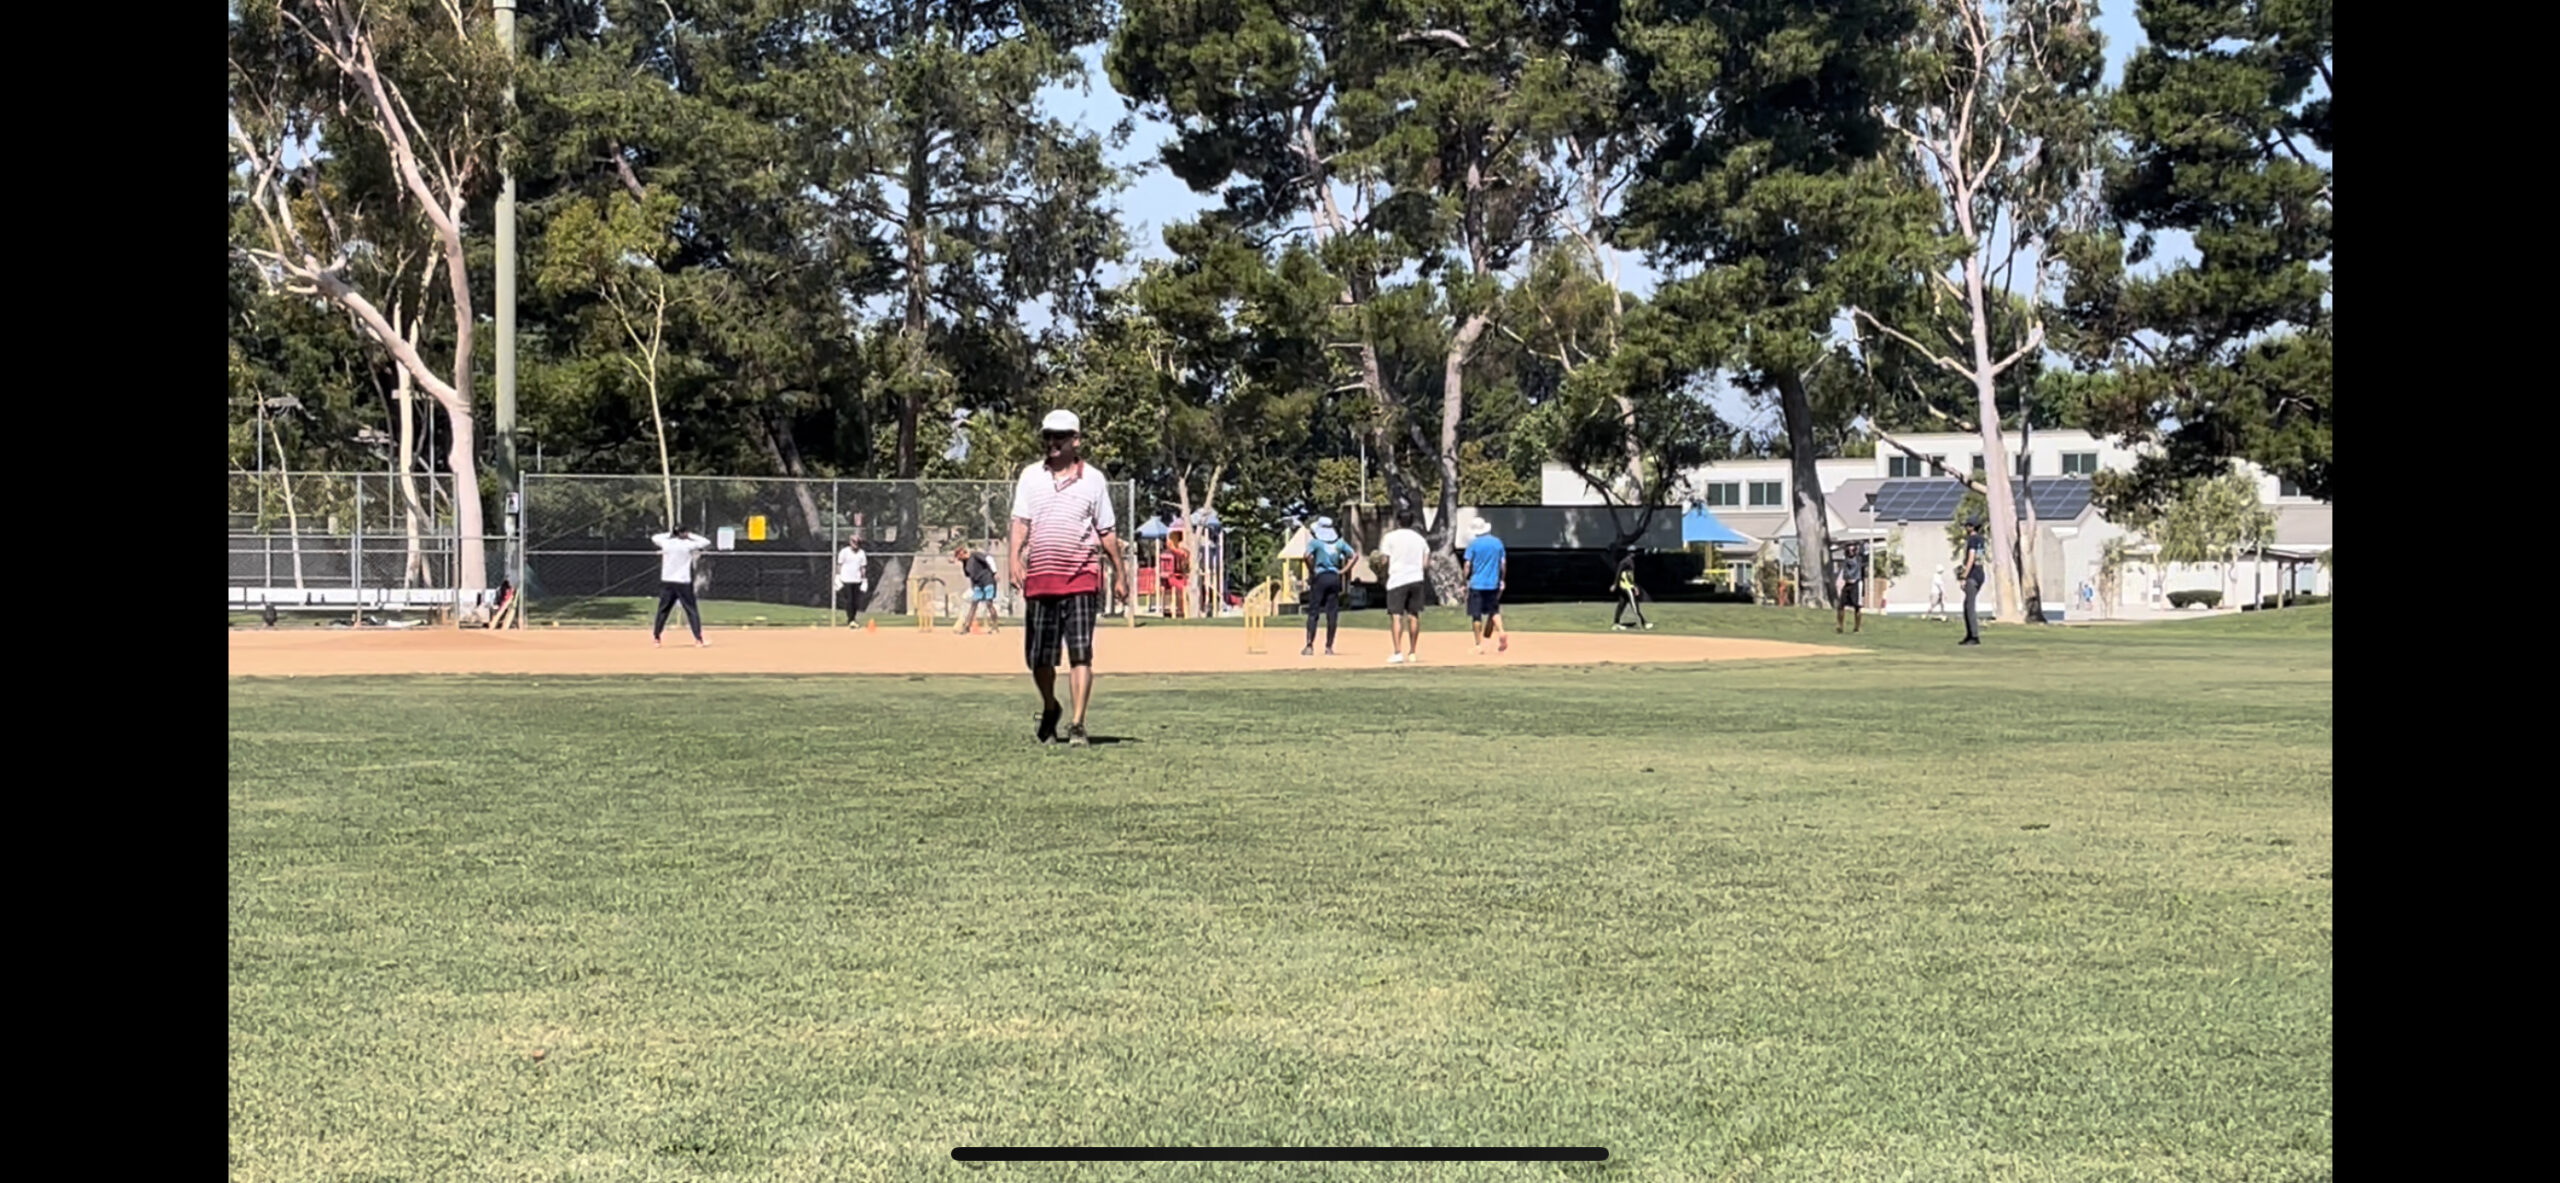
852	567
675	559
1407	554
1070	515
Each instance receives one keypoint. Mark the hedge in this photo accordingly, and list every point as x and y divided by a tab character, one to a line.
2181	599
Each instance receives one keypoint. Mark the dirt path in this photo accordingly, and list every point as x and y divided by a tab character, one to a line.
1117	648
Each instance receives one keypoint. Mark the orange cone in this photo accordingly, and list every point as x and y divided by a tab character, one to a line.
871	626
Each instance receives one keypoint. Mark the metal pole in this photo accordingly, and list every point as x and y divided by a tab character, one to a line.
506	226
355	555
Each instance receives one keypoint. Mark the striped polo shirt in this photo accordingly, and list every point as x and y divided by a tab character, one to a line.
1070	514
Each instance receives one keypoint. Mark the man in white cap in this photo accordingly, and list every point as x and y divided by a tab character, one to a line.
1327	558
1062	523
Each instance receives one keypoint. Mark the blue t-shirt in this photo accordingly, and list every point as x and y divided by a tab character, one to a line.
1327	556
1484	563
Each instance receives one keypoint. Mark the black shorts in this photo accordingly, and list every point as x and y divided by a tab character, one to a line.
1049	622
1483	602
1406	600
1852	593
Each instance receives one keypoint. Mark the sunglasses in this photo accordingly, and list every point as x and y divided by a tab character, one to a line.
1055	436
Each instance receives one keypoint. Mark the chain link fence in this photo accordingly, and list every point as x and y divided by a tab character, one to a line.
587	553
340	536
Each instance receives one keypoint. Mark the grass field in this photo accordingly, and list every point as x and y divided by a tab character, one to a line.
2057	908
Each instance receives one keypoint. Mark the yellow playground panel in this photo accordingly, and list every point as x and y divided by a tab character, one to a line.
1257	612
1293	580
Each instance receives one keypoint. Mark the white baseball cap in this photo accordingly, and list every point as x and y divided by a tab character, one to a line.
1062	420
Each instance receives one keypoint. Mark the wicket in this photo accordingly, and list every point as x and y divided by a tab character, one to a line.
917	601
1257	609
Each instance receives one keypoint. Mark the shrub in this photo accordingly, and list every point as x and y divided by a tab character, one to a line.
2294	600
2181	599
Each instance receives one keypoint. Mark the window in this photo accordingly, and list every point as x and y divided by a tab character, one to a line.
1767	493
1978	470
2025	469
1724	494
2288	487
1906	466
2079	463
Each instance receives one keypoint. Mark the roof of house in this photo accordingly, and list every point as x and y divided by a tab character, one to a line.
1853	504
2302	525
1762	525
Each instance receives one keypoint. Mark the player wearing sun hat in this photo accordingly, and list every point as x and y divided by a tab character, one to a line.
1328	556
1062	524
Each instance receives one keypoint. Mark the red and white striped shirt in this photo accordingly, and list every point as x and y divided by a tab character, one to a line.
1070	515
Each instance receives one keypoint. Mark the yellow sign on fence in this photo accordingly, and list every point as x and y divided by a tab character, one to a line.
755	528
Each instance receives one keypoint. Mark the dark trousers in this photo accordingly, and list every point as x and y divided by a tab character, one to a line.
1628	598
1324	598
1972	623
850	597
670	595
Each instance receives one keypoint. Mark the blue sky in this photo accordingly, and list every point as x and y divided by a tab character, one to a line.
1156	199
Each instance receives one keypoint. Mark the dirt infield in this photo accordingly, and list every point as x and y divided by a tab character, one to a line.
1117	649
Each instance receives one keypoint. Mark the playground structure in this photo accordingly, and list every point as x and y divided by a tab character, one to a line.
1201	545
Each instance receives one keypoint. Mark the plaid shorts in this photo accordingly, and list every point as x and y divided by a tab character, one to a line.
1051	621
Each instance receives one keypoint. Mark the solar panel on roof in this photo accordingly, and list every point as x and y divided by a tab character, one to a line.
1938	499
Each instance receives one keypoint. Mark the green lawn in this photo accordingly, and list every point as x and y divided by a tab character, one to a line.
2056	908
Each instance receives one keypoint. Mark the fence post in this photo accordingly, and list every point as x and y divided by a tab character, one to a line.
355	548
524	541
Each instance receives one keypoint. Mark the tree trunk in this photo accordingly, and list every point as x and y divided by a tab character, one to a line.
413	570
1446	579
2000	502
1804	495
892	588
292	517
785	453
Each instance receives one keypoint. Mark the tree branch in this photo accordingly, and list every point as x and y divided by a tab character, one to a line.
1898	335
622	168
1448	35
2035	337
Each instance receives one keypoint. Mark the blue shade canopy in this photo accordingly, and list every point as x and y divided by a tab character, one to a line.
1698	526
1151	528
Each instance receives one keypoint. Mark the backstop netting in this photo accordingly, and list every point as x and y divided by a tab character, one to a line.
587	553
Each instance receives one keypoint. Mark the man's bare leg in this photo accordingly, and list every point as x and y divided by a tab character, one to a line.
1046	678
1080	681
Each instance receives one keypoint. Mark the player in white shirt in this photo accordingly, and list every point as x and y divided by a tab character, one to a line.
853	580
1062	528
676	551
1408	553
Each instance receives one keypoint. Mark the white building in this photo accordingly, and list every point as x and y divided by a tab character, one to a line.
1878	497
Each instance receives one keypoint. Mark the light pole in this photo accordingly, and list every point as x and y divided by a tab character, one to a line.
506	227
